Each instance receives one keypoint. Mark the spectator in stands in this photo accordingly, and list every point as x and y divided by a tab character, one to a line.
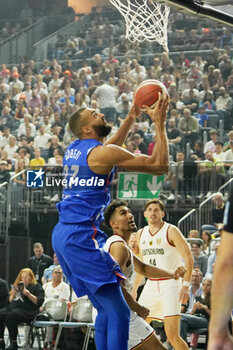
47	276
185	93
6	136
27	122
27	92
202	116
4	172
219	154
135	129
156	68
26	297
107	95
139	144
96	63
226	38
210	145
225	65
200	259
227	143
207	238
6	118
4	156
174	136
193	234
123	112
19	166
211	173
56	288
228	157
4	295
178	170
211	261
42	139
217	214
16	82
54	144
55	82
195	290
208	102
23	155
200	314
224	101
38	161
189	127
195	74
12	147
198	150
25	145
39	262
184	82
191	102
34	101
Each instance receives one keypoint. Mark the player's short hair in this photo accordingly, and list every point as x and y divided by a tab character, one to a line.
109	211
155	201
76	122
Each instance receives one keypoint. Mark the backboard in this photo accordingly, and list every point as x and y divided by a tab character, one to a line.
219	10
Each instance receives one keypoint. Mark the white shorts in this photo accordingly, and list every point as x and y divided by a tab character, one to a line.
161	298
139	330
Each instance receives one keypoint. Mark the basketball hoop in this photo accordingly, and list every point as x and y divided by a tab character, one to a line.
145	20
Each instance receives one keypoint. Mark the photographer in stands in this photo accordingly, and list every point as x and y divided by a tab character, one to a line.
26	297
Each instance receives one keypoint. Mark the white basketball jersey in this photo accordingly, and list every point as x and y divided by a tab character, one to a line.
157	250
130	268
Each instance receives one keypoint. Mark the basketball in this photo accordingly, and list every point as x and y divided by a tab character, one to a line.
147	93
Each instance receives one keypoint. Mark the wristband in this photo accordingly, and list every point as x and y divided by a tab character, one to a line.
186	283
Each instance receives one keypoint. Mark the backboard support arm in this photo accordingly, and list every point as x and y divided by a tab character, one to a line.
197	8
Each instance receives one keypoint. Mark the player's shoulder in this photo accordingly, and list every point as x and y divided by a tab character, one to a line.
172	227
141	231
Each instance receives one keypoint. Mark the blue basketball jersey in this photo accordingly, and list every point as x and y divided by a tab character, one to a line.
86	194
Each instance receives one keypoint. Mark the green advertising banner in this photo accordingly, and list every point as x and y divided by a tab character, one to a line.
139	186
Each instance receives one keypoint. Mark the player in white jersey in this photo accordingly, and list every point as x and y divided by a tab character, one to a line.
119	217
163	245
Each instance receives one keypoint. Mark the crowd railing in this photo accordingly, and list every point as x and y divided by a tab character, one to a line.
18	199
3	210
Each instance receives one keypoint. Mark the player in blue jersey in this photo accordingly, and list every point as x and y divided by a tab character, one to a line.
77	240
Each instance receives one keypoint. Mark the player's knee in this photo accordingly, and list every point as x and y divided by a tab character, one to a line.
101	322
172	334
121	316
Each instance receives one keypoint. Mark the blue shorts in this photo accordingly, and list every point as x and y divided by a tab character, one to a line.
86	265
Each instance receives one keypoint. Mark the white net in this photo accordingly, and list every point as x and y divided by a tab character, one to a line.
145	20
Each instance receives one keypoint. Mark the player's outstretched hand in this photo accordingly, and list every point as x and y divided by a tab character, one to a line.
159	113
134	111
142	311
180	271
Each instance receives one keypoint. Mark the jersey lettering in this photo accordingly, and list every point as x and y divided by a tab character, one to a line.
151	251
